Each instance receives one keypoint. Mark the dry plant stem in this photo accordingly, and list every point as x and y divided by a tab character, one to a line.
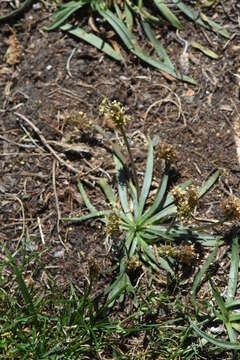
51	150
134	171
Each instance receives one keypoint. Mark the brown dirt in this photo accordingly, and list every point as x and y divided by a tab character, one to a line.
197	120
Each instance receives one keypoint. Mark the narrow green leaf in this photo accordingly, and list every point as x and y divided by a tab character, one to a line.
92	40
216	342
236	326
231	333
108	192
89	216
119	27
118	10
204	50
196	16
168	14
86	199
208	184
200	274
164	58
147	179
159	198
233	275
21	283
160	232
129	239
219	301
64	13
122	186
233	303
160	66
216	27
162	215
150	254
128	16
133	195
134	246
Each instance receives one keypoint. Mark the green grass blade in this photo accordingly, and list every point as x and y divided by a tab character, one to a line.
86	199
219	300
92	40
208	184
158	47
216	342
108	192
159	198
21	283
64	13
199	276
233	275
168	14
147	179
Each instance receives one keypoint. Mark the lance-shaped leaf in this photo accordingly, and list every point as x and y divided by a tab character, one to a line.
93	40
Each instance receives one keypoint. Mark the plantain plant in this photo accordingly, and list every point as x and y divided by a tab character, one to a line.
147	224
123	15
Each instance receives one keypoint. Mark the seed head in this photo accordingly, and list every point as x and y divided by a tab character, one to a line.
185	200
186	254
93	268
112	227
134	263
167	152
115	112
231	208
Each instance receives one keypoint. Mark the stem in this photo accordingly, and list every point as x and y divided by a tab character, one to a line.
172	222
134	171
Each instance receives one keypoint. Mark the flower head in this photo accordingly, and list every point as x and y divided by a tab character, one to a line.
93	269
231	208
185	200
166	152
112	227
115	112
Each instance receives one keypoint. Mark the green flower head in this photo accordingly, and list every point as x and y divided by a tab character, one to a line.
115	112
